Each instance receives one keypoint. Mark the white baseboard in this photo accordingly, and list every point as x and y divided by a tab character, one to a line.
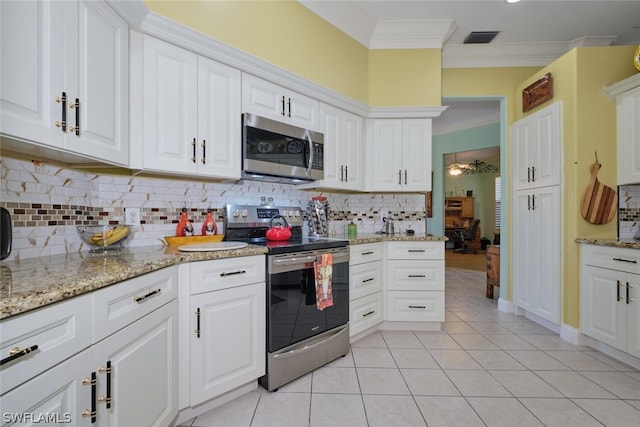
621	356
506	306
571	334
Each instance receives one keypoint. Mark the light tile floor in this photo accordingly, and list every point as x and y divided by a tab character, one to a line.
486	368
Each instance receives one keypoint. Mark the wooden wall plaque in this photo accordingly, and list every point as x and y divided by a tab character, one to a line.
537	92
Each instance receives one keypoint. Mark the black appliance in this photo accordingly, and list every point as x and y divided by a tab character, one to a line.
300	337
279	152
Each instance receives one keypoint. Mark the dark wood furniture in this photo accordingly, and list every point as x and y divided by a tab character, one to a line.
493	268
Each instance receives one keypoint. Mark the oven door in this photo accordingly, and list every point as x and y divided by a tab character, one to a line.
292	312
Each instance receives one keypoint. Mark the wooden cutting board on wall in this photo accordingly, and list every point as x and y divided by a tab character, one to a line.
599	202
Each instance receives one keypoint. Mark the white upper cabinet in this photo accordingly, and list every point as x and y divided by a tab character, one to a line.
399	155
190	113
627	93
537	159
274	102
342	149
65	84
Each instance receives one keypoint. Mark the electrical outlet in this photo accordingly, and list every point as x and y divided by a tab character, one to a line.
132	216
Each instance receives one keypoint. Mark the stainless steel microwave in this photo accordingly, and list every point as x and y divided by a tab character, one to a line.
278	152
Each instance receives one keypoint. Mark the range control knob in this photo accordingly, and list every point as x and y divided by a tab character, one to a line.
236	213
245	213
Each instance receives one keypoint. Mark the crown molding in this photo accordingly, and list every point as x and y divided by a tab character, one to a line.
412	34
623	86
346	17
502	55
468	123
405	112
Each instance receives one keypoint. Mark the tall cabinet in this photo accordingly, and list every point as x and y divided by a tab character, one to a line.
536	153
627	94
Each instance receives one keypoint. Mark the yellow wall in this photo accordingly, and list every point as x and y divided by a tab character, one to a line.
588	124
405	77
283	33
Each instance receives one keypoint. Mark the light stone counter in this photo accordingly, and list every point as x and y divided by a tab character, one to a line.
32	283
615	243
400	237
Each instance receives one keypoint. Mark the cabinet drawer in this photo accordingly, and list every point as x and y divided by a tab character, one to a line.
366	252
119	305
206	276
415	275
59	331
415	250
365	313
415	306
365	279
620	259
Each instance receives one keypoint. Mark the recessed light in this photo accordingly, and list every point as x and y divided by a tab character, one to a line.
512	1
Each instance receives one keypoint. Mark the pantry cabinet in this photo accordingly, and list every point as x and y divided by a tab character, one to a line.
275	102
627	95
609	281
189	110
536	213
65	84
343	154
365	287
217	358
399	155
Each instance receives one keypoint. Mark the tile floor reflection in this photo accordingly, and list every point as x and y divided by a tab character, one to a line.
485	368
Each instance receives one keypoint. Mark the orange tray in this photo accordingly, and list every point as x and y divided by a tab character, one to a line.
179	241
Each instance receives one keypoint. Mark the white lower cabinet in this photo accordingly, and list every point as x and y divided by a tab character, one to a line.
366	302
59	396
415	281
222	326
610	278
126	377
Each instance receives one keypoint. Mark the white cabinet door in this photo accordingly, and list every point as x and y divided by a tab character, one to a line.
536	252
227	340
409	275
274	102
57	397
342	149
365	313
415	306
633	315
536	142
603	312
143	361
400	155
102	115
219	120
32	70
385	167
365	279
65	85
170	117
416	155
628	116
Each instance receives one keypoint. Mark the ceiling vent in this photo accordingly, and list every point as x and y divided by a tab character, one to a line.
480	37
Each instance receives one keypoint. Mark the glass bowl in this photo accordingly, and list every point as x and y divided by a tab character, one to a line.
102	238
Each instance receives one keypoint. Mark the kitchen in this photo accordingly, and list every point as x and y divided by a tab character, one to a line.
161	198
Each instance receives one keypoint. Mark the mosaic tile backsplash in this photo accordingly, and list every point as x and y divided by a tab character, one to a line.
46	202
629	211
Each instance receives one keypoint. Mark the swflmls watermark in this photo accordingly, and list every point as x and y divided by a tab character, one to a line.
36	417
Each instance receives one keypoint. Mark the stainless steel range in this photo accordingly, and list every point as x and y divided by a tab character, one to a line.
307	322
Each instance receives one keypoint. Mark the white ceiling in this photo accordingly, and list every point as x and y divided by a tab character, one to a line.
532	32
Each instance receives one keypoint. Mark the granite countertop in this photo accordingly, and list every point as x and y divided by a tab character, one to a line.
616	243
33	283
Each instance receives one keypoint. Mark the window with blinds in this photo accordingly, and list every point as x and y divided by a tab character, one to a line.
497	205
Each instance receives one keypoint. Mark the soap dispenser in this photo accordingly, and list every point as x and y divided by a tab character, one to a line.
352	230
185	228
209	228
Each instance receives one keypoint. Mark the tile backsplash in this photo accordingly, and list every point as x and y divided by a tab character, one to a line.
47	201
629	211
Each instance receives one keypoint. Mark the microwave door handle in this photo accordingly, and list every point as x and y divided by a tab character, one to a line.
308	136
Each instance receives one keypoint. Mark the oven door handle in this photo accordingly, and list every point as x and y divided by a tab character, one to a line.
338	257
294	261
